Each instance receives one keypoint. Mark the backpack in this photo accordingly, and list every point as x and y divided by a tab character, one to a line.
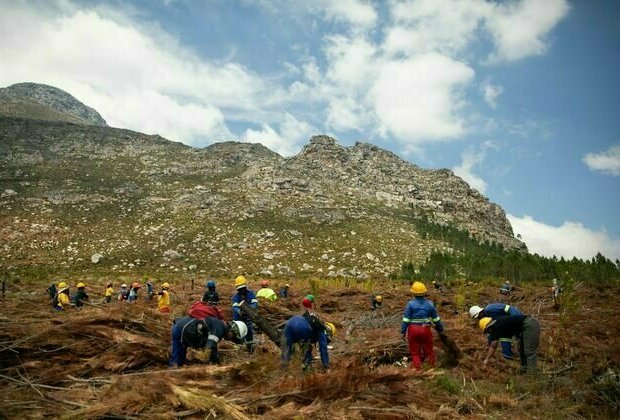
201	310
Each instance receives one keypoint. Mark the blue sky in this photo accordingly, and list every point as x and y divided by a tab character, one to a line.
520	98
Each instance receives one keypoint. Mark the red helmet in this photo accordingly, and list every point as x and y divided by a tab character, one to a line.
307	303
264	283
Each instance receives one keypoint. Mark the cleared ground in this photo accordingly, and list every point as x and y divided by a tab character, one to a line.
110	361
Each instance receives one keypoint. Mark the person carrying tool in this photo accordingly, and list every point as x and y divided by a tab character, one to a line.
211	296
133	293
266	292
123	293
418	317
299	330
163	300
198	334
244	296
61	300
109	291
524	327
376	302
495	311
80	296
284	291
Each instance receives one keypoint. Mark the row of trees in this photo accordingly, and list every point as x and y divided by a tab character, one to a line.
473	260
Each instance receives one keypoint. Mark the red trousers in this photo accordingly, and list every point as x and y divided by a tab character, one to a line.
420	338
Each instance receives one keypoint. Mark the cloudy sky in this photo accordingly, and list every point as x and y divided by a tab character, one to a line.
519	98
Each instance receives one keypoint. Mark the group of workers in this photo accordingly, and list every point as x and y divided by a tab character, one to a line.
205	327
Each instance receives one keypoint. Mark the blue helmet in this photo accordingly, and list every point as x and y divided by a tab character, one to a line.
210	284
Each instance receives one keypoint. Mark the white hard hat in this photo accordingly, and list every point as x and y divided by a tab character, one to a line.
474	311
123	285
239	328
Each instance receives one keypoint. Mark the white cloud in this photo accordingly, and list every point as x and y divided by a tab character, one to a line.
469	160
519	28
491	92
287	142
418	99
135	78
572	239
357	13
607	162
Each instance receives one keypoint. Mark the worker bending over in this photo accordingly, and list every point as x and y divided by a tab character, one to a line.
211	296
495	311
376	302
266	292
198	334
61	300
299	330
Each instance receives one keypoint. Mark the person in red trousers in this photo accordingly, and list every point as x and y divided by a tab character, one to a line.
419	315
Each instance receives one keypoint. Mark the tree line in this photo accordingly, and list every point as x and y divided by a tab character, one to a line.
474	260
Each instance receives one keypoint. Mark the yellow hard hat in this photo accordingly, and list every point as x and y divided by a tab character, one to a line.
331	329
379	298
62	285
418	288
485	322
240	282
165	285
80	284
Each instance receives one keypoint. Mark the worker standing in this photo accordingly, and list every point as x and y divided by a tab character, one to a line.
418	317
61	300
163	300
80	296
525	327
298	330
109	291
211	296
150	291
266	292
495	311
123	293
133	293
198	334
244	296
376	302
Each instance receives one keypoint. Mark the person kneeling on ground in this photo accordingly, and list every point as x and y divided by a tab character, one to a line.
61	301
199	334
299	330
524	327
80	296
418	317
376	302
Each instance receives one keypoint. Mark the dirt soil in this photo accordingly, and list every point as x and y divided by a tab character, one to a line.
110	361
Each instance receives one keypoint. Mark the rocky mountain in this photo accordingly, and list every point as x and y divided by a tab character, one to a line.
43	102
89	197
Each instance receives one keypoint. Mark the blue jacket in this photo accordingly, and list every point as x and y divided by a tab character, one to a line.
420	311
498	310
298	330
250	298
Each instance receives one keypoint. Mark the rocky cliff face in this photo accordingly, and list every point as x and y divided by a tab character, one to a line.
43	102
88	196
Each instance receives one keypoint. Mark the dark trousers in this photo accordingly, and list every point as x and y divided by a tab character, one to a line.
528	344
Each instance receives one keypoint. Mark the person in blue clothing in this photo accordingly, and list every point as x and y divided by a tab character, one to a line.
495	311
284	291
211	296
200	333
298	330
418	317
244	296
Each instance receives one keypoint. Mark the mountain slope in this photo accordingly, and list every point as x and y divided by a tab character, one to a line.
43	102
72	191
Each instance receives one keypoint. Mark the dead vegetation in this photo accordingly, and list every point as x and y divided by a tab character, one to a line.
110	362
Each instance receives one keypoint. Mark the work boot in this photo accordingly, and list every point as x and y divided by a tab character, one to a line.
250	347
